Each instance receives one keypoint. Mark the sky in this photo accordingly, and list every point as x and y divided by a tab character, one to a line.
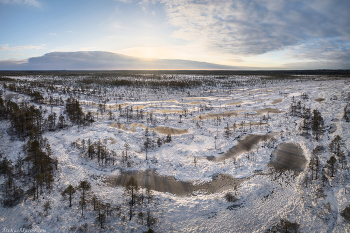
250	34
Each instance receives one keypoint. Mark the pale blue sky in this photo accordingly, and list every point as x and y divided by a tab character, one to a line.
290	34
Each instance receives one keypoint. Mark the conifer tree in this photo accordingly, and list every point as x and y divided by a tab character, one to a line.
317	124
70	191
346	213
227	131
84	187
131	187
147	145
331	162
126	147
168	138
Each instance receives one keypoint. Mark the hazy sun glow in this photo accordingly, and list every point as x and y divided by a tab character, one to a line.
143	52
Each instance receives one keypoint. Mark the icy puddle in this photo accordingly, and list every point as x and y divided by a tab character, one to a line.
244	145
319	99
265	111
246	102
169	184
209	98
276	101
10	96
163	130
215	115
237	113
288	156
168	111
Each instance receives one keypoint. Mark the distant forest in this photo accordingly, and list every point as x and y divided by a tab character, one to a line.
272	73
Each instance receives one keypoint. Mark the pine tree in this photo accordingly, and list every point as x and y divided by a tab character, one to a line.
47	207
336	145
149	193
82	204
324	178
110	114
131	187
101	219
159	142
215	138
331	162
317	164
91	149
227	131
147	145
70	191
61	122
336	148
126	147
346	213
95	202
317	124
168	138
84	186
346	115
311	166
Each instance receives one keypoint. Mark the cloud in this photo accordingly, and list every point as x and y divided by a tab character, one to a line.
124	1
256	27
311	65
22	2
322	49
144	4
98	60
7	47
12	64
249	28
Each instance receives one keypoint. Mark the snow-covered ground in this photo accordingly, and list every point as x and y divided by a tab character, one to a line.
264	197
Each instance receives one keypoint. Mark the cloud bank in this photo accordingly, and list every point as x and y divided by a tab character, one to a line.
97	60
253	27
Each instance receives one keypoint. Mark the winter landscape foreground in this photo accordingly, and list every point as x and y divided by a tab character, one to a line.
174	152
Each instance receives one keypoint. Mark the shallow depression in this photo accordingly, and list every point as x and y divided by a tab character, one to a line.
163	130
319	99
150	178
243	145
288	156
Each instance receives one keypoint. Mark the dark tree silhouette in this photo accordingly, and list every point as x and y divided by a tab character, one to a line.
70	191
